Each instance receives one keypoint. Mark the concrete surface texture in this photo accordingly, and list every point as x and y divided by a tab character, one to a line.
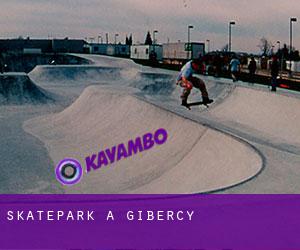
273	115
194	159
17	88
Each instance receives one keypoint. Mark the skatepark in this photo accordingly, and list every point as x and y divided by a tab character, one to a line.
248	141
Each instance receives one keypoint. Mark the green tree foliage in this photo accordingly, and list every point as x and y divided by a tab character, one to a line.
148	40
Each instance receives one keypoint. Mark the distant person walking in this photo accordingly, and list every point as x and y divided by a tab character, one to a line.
187	81
252	69
274	73
235	68
218	65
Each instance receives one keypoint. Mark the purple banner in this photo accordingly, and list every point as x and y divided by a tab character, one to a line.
150	222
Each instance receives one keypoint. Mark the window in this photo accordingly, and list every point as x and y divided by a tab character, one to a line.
96	49
147	51
135	51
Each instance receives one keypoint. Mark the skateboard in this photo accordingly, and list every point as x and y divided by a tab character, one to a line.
189	105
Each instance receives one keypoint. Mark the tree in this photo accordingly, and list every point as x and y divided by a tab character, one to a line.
265	46
130	40
225	48
148	40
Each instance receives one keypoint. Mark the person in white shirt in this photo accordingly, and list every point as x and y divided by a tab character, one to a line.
187	81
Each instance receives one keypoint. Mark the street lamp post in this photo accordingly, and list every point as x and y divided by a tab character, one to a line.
292	19
229	43
189	40
154	40
208	45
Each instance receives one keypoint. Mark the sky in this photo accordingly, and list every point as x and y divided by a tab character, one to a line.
92	18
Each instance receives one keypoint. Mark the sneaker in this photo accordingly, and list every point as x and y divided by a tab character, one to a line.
184	103
206	100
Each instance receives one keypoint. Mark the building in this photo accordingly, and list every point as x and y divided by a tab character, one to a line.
120	50
42	45
146	52
179	52
68	45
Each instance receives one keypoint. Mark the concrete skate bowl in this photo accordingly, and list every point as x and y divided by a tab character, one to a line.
272	116
110	61
20	62
154	83
17	88
74	74
194	159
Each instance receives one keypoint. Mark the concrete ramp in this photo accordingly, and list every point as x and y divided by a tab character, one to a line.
109	61
147	82
154	83
17	88
194	159
259	112
75	74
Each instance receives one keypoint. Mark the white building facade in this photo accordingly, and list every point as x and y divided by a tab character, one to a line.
146	52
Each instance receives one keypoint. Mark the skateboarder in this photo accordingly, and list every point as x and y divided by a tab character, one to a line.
187	81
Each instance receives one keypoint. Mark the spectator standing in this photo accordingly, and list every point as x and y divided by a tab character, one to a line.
252	69
274	72
218	65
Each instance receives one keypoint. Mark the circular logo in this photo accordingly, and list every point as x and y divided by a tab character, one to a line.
68	172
